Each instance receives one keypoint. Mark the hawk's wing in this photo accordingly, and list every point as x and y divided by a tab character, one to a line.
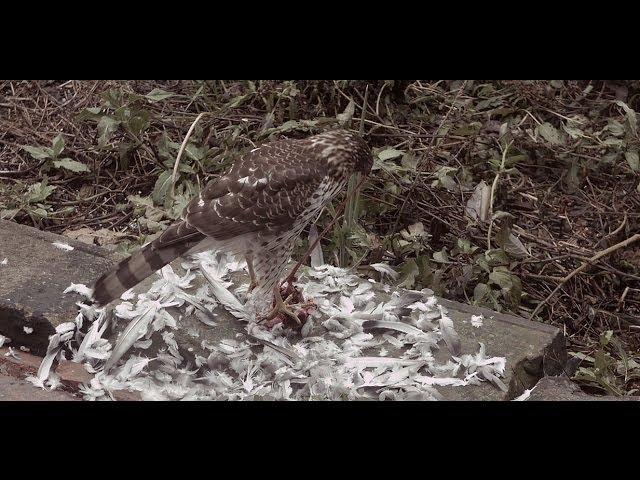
266	190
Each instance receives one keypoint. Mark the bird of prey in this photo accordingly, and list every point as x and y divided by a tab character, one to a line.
257	210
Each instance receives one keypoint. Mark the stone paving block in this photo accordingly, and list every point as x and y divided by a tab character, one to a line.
14	389
31	288
532	350
36	274
71	374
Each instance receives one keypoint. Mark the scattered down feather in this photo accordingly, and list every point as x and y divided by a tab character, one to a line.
449	335
222	294
134	331
318	365
397	326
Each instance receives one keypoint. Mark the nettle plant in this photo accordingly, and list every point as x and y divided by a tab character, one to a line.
611	374
51	157
30	200
121	120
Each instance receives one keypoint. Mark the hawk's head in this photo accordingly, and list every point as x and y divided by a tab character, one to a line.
345	152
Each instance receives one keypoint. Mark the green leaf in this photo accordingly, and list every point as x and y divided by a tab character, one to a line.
482	262
573	178
389	154
511	244
426	273
606	337
466	247
409	161
157	94
582	356
139	201
8	214
551	134
508	282
237	101
71	165
138	122
466	130
408	272
441	256
496	257
633	160
152	225
106	128
480	292
615	127
92	113
631	115
574	132
39	153
37	213
113	98
155	214
613	142
501	277
194	152
58	145
125	149
178	205
501	214
445	177
164	146
39	192
161	188
289	125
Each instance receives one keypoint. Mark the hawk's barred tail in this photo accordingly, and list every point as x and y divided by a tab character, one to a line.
131	271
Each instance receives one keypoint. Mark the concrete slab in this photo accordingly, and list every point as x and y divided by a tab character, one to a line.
32	282
532	350
22	364
31	288
14	389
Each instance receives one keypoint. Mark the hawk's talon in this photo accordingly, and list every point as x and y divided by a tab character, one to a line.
282	309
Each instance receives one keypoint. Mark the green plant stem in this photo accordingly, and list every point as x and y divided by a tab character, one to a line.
493	191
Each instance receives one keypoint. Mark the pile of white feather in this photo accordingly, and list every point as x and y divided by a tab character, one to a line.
353	347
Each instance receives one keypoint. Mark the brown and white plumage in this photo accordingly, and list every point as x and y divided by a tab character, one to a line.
257	209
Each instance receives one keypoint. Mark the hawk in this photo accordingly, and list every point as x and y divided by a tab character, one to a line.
256	210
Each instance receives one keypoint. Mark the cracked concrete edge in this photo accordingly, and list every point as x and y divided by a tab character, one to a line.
54	237
14	315
72	375
550	361
502	317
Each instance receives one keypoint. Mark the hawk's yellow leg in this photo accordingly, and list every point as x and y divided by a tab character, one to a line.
252	272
